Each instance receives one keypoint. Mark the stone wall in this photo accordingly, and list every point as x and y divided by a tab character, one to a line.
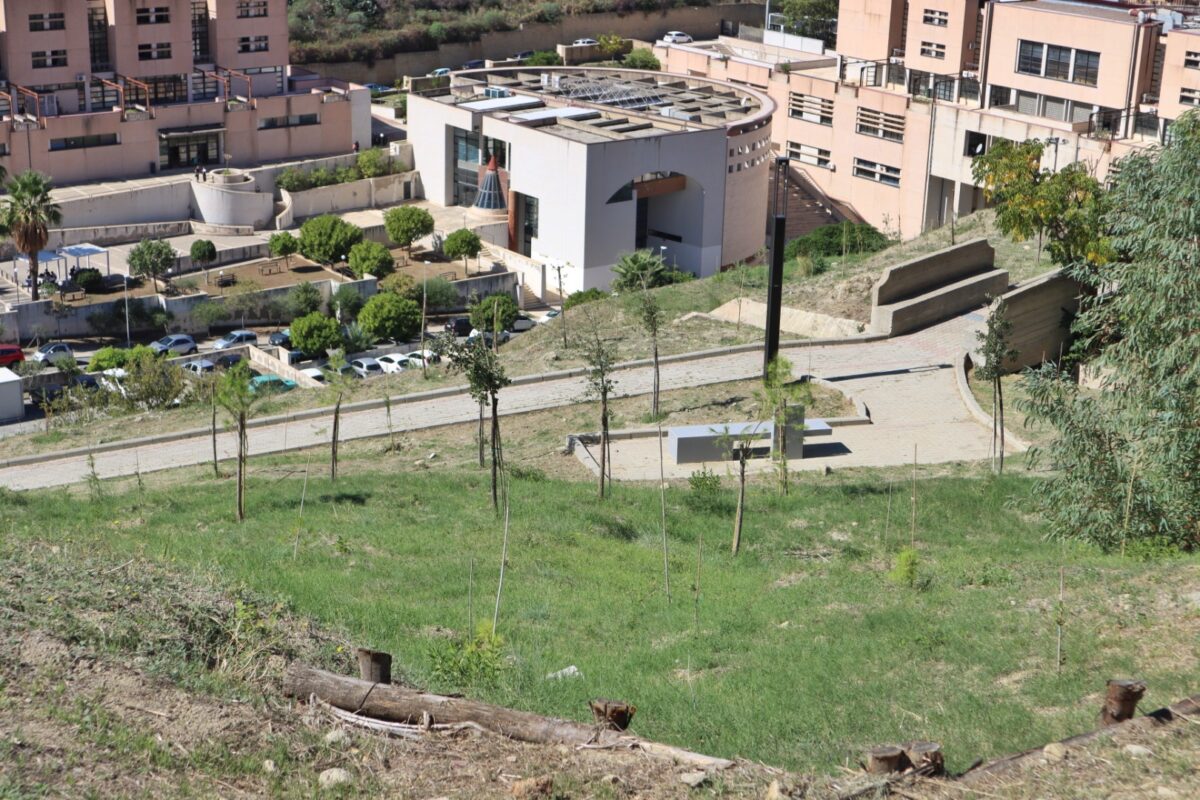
1040	311
702	22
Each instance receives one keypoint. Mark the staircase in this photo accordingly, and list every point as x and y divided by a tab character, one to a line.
808	208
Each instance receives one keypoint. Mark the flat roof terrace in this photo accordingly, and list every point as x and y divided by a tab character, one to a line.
591	104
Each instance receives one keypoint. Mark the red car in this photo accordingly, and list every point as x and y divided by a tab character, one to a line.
10	354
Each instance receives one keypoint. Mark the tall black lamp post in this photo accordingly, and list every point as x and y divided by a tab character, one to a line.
775	284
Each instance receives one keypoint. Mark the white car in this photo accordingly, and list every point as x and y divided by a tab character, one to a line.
393	363
420	357
549	316
314	373
582	42
53	351
176	344
439	72
677	37
200	367
366	367
487	336
522	323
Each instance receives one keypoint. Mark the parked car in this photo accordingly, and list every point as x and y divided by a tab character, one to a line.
11	354
367	367
228	360
585	41
178	343
440	72
394	362
549	315
522	323
200	366
235	338
677	37
487	336
281	338
44	395
345	370
378	88
270	384
420	357
521	56
53	351
317	375
459	326
475	63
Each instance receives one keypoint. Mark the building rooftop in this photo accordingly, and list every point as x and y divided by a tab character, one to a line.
592	105
1114	12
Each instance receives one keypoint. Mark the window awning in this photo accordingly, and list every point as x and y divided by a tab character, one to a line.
175	133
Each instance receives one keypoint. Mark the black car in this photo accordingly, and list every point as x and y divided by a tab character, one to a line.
228	360
476	63
459	326
281	338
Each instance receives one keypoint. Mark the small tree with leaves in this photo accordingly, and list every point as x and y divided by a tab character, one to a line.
994	344
203	253
485	378
327	239
238	399
600	356
284	245
345	303
739	446
650	314
462	243
640	269
406	224
371	258
303	299
151	258
784	401
390	316
316	333
337	379
494	313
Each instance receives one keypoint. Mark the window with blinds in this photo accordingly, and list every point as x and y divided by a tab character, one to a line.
808	154
880	124
874	171
810	108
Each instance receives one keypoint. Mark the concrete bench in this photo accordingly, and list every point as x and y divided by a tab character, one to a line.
692	444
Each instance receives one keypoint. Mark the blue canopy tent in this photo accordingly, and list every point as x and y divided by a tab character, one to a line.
86	252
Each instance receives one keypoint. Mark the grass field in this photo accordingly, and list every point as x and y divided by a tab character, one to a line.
799	652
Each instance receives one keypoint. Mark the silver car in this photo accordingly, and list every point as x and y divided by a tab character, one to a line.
177	343
235	338
366	367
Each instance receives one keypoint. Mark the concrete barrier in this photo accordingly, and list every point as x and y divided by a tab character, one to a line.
919	275
1041	310
938	304
386	190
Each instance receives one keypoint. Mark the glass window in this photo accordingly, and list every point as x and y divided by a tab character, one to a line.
1087	67
934	17
1058	62
1191	60
156	15
252	8
80	142
52	21
45	59
810	108
1189	97
252	44
874	171
154	52
808	154
933	50
1029	57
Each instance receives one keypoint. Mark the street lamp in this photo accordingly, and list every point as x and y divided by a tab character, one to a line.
126	312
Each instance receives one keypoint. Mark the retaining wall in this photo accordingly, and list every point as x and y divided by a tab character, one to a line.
702	22
387	190
911	278
1040	311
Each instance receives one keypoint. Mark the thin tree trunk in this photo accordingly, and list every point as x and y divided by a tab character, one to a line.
479	435
241	471
562	307
33	276
333	445
495	452
662	496
995	418
503	562
741	503
1000	420
654	350
216	470
603	440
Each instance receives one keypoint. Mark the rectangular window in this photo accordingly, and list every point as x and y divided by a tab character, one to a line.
807	154
1087	67
293	121
200	49
1191	60
1058	62
1029	57
933	50
251	8
44	59
52	21
811	108
1189	97
880	125
155	15
939	18
880	173
80	142
252	44
154	52
975	144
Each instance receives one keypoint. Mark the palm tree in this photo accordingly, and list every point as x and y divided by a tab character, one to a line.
28	216
641	269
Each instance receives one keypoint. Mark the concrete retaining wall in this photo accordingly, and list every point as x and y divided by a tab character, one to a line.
387	190
233	203
703	22
911	278
1041	310
261	358
938	304
481	286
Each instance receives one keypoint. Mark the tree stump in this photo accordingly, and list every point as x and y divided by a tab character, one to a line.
885	759
374	665
613	714
1121	701
925	757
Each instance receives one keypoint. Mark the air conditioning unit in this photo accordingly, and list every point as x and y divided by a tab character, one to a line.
497	91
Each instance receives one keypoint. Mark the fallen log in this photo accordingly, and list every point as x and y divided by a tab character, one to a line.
399	704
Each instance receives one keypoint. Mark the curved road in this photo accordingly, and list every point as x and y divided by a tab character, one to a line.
907	383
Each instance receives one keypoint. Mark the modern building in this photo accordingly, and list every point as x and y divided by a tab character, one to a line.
887	125
94	89
596	162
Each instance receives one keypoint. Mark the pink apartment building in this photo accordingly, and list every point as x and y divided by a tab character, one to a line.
888	124
95	89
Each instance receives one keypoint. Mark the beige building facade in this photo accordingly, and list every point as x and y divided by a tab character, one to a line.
99	89
887	126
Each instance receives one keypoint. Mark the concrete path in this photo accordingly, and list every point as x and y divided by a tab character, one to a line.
907	383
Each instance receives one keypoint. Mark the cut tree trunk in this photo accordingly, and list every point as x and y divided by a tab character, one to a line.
398	704
613	714
925	757
374	665
885	759
1121	702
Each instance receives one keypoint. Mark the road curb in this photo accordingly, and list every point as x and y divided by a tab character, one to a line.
968	398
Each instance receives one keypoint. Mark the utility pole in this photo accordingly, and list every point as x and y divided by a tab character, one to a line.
775	282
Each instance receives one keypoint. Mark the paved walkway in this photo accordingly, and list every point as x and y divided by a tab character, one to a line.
906	382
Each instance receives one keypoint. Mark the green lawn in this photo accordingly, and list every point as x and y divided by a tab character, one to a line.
799	652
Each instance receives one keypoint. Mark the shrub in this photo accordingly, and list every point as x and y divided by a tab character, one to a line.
496	309
327	238
439	32
836	240
355	339
371	258
585	296
390	316
115	357
549	12
407	224
315	333
904	571
440	294
641	268
544	58
374	162
400	283
303	299
476	662
89	279
293	180
704	490
345	303
531	474
641	58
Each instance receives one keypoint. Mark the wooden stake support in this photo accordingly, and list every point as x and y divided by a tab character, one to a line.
886	759
925	757
374	665
614	714
1121	702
